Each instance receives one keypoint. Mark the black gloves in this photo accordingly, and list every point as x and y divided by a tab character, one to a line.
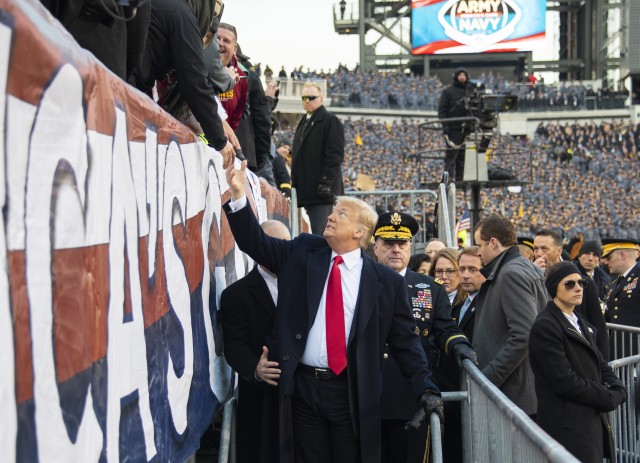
619	393
430	402
463	351
324	191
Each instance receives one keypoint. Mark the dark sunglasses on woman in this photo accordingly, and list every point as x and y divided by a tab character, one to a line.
572	283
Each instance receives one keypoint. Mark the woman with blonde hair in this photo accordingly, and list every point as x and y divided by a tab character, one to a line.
445	268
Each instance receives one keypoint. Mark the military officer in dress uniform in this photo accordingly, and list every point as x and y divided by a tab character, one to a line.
623	293
437	330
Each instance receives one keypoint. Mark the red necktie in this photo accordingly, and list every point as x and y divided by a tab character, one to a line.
336	344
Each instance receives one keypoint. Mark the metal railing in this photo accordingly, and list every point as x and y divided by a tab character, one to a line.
290	88
227	449
623	340
392	200
495	429
624	419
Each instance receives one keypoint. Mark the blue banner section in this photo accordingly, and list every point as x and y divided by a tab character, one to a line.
467	26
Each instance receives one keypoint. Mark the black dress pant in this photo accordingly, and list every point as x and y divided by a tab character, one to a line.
322	426
318	217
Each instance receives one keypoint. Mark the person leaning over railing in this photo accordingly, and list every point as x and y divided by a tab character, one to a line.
574	385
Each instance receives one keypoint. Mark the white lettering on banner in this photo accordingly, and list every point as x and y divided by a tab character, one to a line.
479	6
151	190
126	350
175	202
9	420
478	24
58	144
212	207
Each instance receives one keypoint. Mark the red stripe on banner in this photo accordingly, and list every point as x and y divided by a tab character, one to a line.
434	47
421	3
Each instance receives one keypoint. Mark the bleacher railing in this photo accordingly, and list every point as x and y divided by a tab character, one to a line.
290	88
539	97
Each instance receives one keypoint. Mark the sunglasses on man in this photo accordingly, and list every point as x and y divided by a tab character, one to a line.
572	283
310	98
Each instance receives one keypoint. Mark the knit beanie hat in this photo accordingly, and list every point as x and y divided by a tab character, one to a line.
556	273
591	246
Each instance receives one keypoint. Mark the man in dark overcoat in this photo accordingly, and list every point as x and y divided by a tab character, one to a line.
337	309
247	311
318	153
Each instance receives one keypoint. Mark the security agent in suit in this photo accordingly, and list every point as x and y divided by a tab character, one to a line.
623	295
471	280
329	392
435	327
318	153
247	311
464	313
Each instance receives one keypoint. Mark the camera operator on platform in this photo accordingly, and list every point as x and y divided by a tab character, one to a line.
454	103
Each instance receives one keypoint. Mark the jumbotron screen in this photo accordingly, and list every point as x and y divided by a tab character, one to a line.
477	26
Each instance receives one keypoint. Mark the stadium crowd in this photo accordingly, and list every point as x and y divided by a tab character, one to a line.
595	165
409	91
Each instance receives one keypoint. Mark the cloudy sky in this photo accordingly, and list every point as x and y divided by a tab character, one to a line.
290	33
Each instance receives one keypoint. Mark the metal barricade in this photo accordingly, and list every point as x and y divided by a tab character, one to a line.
624	419
495	429
391	200
624	340
294	216
227	449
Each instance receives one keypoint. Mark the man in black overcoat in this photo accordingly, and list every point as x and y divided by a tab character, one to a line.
318	153
247	311
329	392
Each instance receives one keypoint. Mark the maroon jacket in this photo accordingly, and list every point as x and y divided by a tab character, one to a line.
235	100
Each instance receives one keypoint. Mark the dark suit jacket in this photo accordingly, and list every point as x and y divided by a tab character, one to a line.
467	322
382	316
247	313
600	278
318	152
574	385
438	333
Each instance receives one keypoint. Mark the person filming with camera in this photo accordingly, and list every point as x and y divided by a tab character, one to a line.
453	104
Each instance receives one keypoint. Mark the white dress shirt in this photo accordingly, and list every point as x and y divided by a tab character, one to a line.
573	319
272	283
452	296
315	352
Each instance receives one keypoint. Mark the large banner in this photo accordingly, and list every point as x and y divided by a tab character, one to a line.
113	253
477	26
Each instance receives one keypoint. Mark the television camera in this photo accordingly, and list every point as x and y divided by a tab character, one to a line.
485	106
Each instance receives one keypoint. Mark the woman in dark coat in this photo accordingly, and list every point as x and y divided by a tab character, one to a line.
575	387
